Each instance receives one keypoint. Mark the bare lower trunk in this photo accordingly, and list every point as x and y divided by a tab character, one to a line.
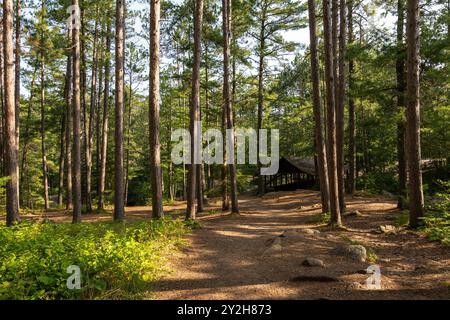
331	118
61	161
11	147
69	129
76	105
226	29
319	133
413	116
17	81
104	151
341	102
155	144
351	110
119	210
401	88
43	149
195	111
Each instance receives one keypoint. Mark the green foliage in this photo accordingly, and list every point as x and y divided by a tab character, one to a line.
376	182
322	218
116	260
3	181
437	219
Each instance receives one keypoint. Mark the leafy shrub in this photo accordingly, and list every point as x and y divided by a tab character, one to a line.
377	182
437	219
116	260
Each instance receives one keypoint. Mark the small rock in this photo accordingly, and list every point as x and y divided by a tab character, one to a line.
355	213
355	286
355	252
310	231
313	262
388	229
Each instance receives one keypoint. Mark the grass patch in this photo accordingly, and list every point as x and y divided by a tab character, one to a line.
117	261
437	219
322	218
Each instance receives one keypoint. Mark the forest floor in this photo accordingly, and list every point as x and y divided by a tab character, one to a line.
260	253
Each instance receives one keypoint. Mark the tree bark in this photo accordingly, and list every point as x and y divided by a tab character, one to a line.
11	147
262	47
119	210
90	126
43	148
155	144
226	29
416	203
69	128
401	88
351	109
195	111
17	81
331	118
104	151
61	161
76	105
319	133
341	102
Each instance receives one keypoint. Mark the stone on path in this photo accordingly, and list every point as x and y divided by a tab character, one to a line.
387	229
355	213
355	252
313	262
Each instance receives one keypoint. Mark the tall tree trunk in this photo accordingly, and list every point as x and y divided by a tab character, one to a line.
319	133
119	210
61	161
43	149
226	29
331	118
69	128
401	88
351	109
130	106
26	139
224	168
262	48
17	81
11	147
341	102
416	204
195	111
76	105
155	144
98	120
90	126
104	151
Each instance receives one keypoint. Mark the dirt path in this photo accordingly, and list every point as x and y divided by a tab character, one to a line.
228	257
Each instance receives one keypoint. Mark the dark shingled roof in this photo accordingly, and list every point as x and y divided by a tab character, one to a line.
306	165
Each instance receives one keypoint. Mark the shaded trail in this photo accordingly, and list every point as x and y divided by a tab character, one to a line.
227	258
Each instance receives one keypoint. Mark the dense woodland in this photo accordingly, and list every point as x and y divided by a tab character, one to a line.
87	110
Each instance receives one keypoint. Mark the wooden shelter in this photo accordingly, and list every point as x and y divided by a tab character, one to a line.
294	173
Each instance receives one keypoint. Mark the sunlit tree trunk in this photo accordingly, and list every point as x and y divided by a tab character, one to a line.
331	117
226	29
319	133
119	210
17	70
401	88
104	151
351	109
155	144
76	105
341	102
416	198
69	128
11	147
195	110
